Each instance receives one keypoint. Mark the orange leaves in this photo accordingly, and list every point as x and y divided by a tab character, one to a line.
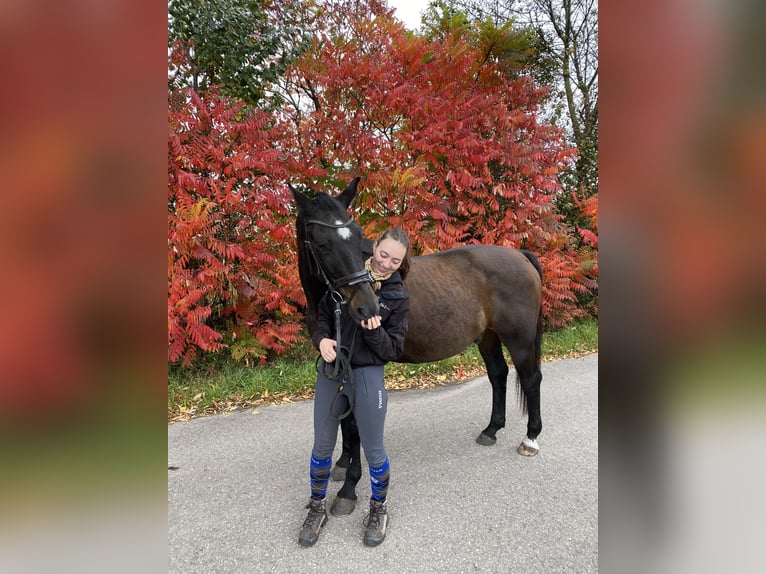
588	237
484	169
589	209
227	227
449	148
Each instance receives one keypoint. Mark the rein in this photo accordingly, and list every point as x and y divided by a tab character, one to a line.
342	365
342	371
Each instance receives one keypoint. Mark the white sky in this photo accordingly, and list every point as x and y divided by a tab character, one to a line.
408	11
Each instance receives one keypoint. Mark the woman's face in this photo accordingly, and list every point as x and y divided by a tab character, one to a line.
387	256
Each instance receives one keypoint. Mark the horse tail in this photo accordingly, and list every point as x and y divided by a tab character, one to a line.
539	334
534	261
538	342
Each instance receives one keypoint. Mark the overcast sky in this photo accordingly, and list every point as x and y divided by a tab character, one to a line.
408	11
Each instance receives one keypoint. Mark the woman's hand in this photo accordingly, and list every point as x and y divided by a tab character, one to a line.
372	323
327	349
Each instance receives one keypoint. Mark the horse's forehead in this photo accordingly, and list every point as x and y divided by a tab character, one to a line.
328	210
325	203
344	232
335	228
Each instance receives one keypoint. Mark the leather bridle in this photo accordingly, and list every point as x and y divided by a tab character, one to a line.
320	269
340	370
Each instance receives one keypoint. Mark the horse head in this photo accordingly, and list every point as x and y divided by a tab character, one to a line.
330	250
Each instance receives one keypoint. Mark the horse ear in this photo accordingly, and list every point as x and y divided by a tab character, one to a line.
348	195
301	199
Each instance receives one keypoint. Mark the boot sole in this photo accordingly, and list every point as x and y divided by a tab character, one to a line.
375	542
371	543
306	543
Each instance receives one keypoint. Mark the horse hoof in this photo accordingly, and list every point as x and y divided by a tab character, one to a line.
485	440
342	506
339	473
528	448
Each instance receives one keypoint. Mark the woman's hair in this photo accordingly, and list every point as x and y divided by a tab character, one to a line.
399	235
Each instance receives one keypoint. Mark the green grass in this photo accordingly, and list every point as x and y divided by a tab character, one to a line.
224	385
577	339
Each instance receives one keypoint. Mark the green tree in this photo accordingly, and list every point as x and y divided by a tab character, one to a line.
241	45
515	49
567	37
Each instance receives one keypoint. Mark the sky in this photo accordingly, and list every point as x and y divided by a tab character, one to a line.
408	11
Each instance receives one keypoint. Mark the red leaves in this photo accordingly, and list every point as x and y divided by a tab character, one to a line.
483	169
588	237
448	147
589	208
227	227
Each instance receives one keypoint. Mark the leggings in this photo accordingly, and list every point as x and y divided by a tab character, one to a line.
370	403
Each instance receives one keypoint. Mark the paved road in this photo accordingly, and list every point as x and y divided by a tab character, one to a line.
236	502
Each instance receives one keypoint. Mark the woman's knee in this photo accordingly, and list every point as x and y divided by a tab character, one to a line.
376	457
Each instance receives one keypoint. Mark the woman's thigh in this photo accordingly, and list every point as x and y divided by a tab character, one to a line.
325	422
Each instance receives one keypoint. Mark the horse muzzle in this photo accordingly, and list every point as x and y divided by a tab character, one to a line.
363	304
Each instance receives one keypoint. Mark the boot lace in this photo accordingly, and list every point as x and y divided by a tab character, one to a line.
375	518
315	515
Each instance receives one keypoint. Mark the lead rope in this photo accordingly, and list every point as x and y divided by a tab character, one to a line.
342	370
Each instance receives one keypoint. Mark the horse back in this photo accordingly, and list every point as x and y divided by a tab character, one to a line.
457	294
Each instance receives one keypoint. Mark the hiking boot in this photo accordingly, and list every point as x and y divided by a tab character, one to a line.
317	517
375	523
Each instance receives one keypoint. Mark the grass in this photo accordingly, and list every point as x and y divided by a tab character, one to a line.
225	385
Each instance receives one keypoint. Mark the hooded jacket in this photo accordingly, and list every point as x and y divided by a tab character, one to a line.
370	347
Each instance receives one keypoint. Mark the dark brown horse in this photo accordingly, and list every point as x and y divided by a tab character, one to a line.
482	294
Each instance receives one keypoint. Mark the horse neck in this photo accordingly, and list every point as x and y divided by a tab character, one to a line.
313	288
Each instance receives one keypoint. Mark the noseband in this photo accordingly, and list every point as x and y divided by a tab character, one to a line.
351	280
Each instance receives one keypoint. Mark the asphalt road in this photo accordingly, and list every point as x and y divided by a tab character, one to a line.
237	498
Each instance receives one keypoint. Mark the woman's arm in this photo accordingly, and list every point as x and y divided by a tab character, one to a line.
388	340
325	322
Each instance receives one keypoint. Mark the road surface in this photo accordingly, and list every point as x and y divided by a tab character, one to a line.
236	499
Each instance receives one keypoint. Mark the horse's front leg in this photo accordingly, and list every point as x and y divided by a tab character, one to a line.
345	501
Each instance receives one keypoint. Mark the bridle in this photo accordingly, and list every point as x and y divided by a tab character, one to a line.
342	364
351	280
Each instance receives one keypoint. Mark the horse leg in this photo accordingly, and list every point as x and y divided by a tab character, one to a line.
345	501
497	371
347	428
529	377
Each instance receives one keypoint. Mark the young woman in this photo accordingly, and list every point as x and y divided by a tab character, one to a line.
373	343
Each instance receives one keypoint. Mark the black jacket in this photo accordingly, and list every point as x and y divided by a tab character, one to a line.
380	345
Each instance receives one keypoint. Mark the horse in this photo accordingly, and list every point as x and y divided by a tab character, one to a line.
485	294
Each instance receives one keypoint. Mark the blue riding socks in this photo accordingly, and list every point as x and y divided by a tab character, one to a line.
319	473
320	476
379	481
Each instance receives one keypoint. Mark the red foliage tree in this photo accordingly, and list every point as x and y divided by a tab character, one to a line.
231	265
449	147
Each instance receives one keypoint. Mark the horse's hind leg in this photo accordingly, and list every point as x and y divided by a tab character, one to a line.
497	371
527	364
345	501
347	429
